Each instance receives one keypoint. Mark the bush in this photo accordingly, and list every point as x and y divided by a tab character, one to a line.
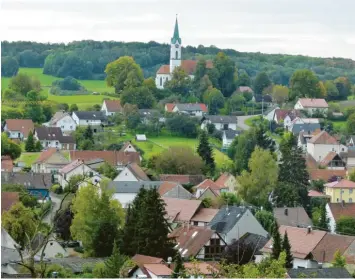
57	189
79	249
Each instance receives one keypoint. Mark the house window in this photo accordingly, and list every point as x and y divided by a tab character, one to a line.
350	191
350	200
195	223
71	127
342	149
56	143
87	121
225	126
62	126
91	174
176	55
161	81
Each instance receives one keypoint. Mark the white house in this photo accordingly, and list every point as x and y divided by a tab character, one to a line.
221	122
110	107
62	120
50	160
52	250
228	137
76	167
320	145
191	109
90	118
308	125
336	210
270	113
165	71
53	137
312	106
18	128
132	172
285	116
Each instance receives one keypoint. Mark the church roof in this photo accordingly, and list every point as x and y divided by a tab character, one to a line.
189	66
176	36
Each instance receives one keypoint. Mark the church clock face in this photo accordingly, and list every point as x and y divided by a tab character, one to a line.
177	46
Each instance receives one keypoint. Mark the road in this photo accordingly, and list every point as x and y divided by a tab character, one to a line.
241	121
55	206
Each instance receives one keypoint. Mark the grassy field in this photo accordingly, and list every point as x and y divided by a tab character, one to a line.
82	101
28	158
339	124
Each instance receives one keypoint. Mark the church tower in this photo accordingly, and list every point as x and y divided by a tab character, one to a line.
175	49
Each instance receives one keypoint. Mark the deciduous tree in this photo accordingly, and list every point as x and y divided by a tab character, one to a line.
9	66
261	82
346	225
23	84
140	96
338	260
180	82
107	170
332	90
280	94
214	99
225	70
304	83
266	219
9	147
350	124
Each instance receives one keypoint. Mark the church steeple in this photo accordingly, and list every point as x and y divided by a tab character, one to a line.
176	36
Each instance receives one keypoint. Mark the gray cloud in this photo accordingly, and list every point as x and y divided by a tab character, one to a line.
310	27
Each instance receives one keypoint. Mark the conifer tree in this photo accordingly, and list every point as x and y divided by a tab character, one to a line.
276	242
30	143
262	139
338	260
88	133
205	151
323	220
179	270
114	263
38	146
146	230
286	247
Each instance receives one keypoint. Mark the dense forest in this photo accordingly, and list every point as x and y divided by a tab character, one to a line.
88	59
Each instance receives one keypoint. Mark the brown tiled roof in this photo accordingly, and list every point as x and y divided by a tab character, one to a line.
326	248
111	157
46	154
296	216
311	162
183	178
325	174
143	259
327	159
203	267
71	166
316	194
166	186
208	183
302	243
138	172
244	89
344	183
6	163
22	125
223	179
205	215
191	238
169	107
338	210
158	269
188	66
8	199
323	138
282	113
181	210
113	105
313	103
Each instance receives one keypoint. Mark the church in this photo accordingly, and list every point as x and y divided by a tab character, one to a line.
165	72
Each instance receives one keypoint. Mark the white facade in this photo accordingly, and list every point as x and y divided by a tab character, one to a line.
86	122
79	170
124	198
129	148
270	115
319	151
220	126
126	175
104	108
14	134
287	123
332	222
175	56
161	79
226	142
310	110
66	124
199	113
53	250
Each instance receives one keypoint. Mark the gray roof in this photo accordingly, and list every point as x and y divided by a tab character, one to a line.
231	134
294	217
226	218
188	107
222	118
307	127
90	115
76	264
332	272
32	180
132	186
9	255
53	133
255	241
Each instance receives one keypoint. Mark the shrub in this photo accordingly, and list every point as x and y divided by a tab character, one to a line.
57	189
79	249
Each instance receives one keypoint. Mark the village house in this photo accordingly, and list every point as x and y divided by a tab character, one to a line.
312	106
333	161
349	159
305	125
53	137
18	128
326	174
198	242
8	199
227	180
132	172
304	137
62	120
285	116
244	89
229	136
320	145
110	107
183	179
340	190
191	109
203	217
337	210
221	122
76	167
150	116
269	113
173	190
7	164
351	142
52	250
94	119
50	160
292	216
232	222
333	272
208	183
180	210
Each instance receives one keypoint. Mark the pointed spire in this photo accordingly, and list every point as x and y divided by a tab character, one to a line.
176	37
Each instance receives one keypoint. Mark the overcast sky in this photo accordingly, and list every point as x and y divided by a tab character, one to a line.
311	27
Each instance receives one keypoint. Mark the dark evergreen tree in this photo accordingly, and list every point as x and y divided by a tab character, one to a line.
286	246
179	270
114	263
38	146
146	229
62	222
262	139
276	242
205	151
261	82
30	143
88	134
323	220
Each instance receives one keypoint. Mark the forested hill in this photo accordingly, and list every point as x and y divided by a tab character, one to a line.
88	59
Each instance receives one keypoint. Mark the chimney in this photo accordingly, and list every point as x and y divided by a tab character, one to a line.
309	229
286	211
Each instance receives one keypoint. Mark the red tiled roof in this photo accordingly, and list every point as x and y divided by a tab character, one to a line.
7	163
302	243
181	210
166	186
338	210
45	154
313	103
71	166
341	184
8	199
325	175
143	259
244	89
113	105
205	215
22	125
111	157
203	107
138	171
208	183
183	178
282	113
158	269
221	181
316	194
169	107
327	159
323	138
188	66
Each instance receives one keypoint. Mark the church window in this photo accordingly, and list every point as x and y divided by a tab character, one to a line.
176	55
161	81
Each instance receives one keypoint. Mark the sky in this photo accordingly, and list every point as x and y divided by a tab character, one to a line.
324	28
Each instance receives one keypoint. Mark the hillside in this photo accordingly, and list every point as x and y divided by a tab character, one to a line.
88	59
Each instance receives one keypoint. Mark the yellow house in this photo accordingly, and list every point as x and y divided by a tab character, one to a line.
338	191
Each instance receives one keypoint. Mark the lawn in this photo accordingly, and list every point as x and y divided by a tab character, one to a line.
28	158
250	120
339	124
